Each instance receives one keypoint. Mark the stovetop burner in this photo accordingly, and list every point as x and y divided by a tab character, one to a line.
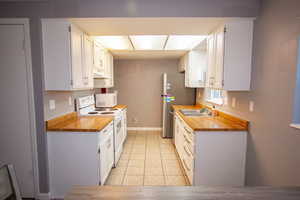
107	113
105	109
92	113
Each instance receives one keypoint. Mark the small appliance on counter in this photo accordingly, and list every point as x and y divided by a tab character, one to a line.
106	100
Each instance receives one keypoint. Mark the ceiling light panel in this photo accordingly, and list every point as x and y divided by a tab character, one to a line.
115	42
148	42
183	42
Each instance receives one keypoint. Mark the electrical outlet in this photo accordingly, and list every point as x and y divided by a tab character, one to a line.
134	120
51	104
251	106
233	102
70	101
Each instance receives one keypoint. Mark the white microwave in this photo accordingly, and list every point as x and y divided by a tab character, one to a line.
106	100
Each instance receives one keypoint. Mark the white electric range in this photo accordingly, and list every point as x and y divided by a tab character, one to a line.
86	107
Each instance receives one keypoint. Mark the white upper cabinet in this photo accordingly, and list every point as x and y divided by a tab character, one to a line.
106	80
88	67
99	69
64	51
229	50
195	62
77	57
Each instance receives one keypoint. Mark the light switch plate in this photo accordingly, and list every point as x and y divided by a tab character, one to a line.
51	104
251	106
70	101
233	102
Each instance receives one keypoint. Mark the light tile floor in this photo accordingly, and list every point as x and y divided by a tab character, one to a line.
148	160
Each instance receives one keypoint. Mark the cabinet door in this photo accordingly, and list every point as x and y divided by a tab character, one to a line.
88	63
98	60
211	61
77	57
109	82
196	70
219	36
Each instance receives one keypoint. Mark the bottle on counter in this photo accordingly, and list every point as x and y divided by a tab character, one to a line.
214	112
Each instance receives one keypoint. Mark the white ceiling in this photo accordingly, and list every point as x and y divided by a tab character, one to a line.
147	26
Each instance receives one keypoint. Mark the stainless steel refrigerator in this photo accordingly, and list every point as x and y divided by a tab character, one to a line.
173	86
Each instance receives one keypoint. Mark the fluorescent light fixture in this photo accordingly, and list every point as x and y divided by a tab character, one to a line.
183	42
148	42
114	42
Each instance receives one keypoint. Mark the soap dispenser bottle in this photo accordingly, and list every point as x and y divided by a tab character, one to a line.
214	112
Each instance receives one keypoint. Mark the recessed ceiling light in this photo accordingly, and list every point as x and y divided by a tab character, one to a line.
115	42
148	42
183	42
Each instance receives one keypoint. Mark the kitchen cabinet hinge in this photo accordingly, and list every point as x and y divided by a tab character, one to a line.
99	151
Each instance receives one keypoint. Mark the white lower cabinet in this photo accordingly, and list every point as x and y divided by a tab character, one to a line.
211	158
79	158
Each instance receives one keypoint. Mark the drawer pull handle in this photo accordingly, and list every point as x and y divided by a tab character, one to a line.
187	140
187	131
185	165
187	152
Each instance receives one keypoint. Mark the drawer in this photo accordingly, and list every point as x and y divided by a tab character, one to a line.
104	133
188	150
188	142
189	134
189	169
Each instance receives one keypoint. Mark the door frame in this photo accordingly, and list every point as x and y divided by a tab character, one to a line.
30	90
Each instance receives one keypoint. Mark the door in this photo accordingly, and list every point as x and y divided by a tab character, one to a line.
211	65
88	76
106	156
77	61
218	81
98	60
15	129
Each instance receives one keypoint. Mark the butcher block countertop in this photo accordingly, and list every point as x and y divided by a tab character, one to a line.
120	106
73	123
222	122
179	193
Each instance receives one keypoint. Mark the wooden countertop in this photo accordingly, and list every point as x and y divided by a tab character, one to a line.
179	193
222	122
73	123
120	106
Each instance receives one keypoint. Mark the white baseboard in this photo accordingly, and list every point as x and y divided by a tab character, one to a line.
144	128
43	196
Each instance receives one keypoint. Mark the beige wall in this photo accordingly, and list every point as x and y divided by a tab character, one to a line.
139	86
62	105
273	156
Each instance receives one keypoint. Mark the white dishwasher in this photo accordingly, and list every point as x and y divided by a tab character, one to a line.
106	152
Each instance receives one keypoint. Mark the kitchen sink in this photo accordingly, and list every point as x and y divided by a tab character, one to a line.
195	112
